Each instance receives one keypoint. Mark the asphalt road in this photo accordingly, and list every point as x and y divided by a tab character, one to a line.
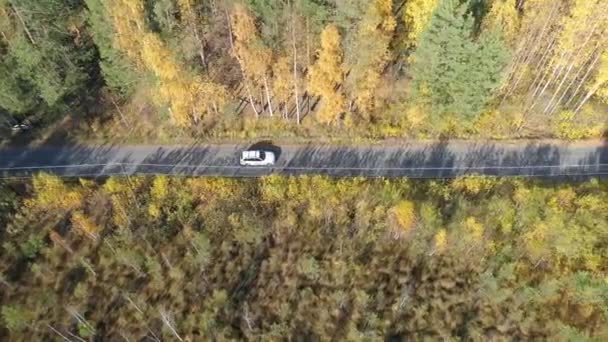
443	159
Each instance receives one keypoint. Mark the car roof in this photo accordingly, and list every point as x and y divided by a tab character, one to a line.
251	154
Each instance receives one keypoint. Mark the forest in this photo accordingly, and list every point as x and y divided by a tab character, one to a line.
309	258
159	70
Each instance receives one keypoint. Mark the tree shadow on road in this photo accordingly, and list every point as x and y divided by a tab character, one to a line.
267	145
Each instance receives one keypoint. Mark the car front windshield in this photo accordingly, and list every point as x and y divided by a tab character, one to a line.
262	155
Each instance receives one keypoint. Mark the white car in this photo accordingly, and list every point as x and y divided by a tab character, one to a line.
21	127
257	158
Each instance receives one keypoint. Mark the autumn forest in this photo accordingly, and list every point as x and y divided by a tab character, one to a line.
309	258
163	69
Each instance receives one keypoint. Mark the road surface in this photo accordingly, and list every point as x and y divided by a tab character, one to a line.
443	159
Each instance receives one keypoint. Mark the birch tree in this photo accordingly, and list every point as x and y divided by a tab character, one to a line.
375	32
416	16
192	20
503	15
189	98
326	75
251	51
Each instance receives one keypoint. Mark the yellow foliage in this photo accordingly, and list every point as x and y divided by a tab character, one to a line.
591	203
333	104
503	14
374	35
85	225
282	84
154	211
186	11
158	193
474	228
405	216
326	75
327	72
521	195
189	98
535	241
251	51
563	199
494	124
158	58
51	193
129	24
474	185
273	188
243	24
576	27
416	116
573	127
600	81
441	240
160	188
416	15
121	191
209	189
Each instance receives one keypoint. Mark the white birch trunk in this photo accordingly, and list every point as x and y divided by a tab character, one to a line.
248	90
267	91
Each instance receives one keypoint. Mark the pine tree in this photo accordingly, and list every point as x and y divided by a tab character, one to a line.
15	95
119	73
52	61
327	74
454	73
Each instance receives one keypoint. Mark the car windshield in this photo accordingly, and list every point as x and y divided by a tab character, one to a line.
262	155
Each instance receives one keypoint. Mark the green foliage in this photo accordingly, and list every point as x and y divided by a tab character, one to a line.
15	95
15	318
274	19
118	72
164	16
456	73
31	247
55	62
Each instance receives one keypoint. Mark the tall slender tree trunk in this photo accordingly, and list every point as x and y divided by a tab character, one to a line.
589	94
539	91
559	88
169	324
201	46
65	338
551	106
308	44
568	87
584	79
25	28
529	52
296	91
267	91
238	59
